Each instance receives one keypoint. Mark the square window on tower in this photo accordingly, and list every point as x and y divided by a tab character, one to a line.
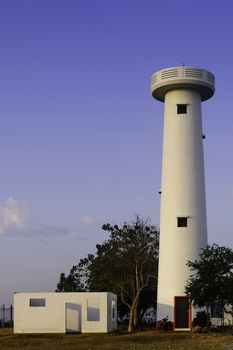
182	221
182	109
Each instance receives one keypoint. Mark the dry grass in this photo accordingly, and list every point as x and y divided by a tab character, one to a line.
147	340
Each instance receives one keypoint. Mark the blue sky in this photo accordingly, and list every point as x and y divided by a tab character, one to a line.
81	136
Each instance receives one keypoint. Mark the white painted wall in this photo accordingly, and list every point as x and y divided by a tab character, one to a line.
183	194
53	317
228	320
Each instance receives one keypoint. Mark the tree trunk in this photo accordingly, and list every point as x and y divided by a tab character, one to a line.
135	315
140	317
133	310
222	316
131	315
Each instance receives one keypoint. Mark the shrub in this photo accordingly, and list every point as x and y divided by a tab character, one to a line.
205	330
197	329
201	319
215	329
164	324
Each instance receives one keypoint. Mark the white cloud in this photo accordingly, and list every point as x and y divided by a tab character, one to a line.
87	220
13	216
15	221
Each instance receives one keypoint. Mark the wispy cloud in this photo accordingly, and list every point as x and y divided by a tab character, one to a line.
87	220
13	216
15	221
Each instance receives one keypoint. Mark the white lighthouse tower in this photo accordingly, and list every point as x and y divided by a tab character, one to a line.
183	229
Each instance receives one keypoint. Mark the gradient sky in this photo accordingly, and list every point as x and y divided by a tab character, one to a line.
80	135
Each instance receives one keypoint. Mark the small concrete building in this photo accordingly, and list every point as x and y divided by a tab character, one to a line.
65	312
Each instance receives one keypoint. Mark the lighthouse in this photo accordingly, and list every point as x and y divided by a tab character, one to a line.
183	228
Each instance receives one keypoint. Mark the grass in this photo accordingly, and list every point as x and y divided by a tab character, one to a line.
147	340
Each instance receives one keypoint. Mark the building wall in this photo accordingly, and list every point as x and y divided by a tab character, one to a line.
112	314
183	195
51	318
227	319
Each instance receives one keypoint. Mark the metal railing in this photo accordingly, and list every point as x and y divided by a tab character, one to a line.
6	316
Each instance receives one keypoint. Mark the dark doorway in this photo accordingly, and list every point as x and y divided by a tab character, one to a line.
182	312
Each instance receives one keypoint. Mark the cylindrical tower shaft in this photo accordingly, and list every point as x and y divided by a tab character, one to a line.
183	228
182	197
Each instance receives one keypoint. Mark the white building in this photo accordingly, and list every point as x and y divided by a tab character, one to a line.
65	312
183	228
217	312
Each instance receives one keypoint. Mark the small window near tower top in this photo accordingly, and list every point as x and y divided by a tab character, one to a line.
182	222
182	109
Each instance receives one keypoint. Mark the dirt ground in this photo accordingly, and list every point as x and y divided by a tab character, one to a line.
146	340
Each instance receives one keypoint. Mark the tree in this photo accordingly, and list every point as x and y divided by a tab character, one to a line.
125	264
71	283
212	280
131	258
131	254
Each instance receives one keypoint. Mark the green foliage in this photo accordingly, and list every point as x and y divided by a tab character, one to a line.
128	260
201	319
212	280
148	299
71	283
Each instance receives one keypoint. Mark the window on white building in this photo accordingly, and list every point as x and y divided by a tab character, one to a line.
93	310
37	302
182	221
181	109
